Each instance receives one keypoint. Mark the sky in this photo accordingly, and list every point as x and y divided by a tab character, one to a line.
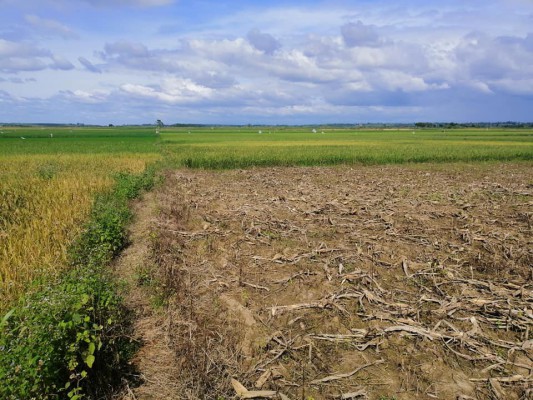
265	62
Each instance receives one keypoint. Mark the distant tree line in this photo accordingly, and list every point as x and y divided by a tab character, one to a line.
372	125
453	125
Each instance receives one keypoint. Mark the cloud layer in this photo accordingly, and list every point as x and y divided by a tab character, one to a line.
281	64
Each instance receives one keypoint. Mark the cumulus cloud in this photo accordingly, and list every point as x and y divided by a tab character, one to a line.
51	27
89	65
21	56
335	61
173	91
495	63
263	41
18	57
87	97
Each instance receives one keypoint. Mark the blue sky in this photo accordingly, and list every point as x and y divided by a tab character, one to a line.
272	62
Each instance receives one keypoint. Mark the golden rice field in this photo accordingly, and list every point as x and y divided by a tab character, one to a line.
44	201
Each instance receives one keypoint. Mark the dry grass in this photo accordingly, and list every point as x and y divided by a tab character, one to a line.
43	204
376	282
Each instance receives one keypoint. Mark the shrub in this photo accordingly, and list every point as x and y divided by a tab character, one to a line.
51	340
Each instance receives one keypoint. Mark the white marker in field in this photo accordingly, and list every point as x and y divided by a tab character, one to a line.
22	137
314	130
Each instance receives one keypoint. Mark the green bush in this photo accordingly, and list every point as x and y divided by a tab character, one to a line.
69	338
51	340
130	186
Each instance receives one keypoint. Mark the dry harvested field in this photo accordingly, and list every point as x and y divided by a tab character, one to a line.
385	282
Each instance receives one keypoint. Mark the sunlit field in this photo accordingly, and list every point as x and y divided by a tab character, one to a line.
49	176
243	147
48	181
65	205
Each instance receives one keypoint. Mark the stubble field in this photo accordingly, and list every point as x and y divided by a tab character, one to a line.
383	282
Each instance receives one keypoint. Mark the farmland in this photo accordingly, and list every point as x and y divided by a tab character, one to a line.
245	147
396	282
47	187
311	251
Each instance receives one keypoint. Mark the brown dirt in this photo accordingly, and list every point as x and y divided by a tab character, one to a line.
395	282
154	361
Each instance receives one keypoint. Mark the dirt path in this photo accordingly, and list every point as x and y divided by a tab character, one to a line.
155	359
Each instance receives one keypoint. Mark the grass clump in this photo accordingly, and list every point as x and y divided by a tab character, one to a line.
69	337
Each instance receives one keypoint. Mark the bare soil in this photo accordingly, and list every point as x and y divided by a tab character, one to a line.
388	282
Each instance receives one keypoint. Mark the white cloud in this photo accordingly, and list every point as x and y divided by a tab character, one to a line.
491	63
400	80
20	56
89	97
479	86
314	60
173	91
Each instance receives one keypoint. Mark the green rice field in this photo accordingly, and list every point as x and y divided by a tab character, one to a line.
237	147
245	147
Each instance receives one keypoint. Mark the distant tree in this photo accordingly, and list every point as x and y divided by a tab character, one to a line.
159	123
424	125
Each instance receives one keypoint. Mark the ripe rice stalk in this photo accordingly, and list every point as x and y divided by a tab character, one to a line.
44	201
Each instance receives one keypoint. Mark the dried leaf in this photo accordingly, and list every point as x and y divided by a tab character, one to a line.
259	394
354	395
265	376
238	387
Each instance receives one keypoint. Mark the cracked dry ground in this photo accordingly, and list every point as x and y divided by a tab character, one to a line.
395	282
